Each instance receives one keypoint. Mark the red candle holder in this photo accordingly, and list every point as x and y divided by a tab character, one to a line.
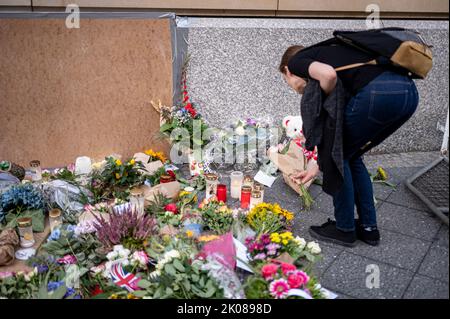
222	193
246	195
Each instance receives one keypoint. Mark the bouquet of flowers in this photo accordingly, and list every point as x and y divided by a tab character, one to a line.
269	218
216	216
281	281
177	276
183	123
128	229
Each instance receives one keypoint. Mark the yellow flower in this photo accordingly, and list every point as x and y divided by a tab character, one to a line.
132	162
189	233
285	242
114	296
117	176
118	162
382	174
207	238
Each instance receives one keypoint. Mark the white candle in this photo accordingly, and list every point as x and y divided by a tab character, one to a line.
236	184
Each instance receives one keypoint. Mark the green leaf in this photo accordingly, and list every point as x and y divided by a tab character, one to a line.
140	293
177	264
144	284
165	127
170	269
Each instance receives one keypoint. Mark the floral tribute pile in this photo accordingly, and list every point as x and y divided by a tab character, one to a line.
174	248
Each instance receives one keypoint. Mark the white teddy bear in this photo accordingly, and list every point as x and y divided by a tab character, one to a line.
294	130
293	126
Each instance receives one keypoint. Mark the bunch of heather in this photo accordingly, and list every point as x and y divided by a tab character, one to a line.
129	229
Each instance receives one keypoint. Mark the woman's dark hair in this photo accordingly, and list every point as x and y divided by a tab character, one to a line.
290	52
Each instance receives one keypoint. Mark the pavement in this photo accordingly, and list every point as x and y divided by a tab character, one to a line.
412	259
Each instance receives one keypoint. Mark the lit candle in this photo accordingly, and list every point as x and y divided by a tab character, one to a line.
236	184
246	195
222	193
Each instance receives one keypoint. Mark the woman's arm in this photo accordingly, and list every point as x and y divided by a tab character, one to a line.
325	74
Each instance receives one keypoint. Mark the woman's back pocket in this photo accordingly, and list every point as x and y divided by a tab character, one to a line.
387	106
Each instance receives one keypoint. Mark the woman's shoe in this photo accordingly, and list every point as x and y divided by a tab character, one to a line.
369	235
329	233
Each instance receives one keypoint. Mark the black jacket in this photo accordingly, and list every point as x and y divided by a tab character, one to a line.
323	119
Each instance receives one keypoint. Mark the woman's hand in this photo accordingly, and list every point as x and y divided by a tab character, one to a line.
303	177
325	74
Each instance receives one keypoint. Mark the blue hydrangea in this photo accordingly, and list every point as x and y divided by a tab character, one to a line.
56	233
21	197
53	285
71	292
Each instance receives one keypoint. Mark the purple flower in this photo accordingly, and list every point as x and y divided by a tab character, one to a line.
261	256
251	122
41	268
273	246
53	285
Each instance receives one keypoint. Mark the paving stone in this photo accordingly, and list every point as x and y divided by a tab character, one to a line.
324	203
403	196
348	275
304	220
422	287
435	264
442	236
407	221
395	249
329	256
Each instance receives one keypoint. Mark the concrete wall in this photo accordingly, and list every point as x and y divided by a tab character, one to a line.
233	72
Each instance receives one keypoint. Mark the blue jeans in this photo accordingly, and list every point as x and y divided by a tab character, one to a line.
372	115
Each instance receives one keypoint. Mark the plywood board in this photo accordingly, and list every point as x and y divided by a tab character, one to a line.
166	4
71	92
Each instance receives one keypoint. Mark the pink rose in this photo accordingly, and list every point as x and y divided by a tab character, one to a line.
287	268
269	271
298	279
67	260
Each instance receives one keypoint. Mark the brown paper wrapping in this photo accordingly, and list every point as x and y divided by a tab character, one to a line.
290	163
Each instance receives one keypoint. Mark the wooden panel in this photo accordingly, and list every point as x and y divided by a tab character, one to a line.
71	92
360	5
167	4
15	3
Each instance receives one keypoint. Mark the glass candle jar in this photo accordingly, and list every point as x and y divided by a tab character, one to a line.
256	199
248	181
237	179
36	171
246	194
25	228
137	200
222	193
164	179
55	218
211	185
260	188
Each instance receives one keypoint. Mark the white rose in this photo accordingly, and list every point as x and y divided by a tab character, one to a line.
301	242
124	253
314	248
118	248
112	255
